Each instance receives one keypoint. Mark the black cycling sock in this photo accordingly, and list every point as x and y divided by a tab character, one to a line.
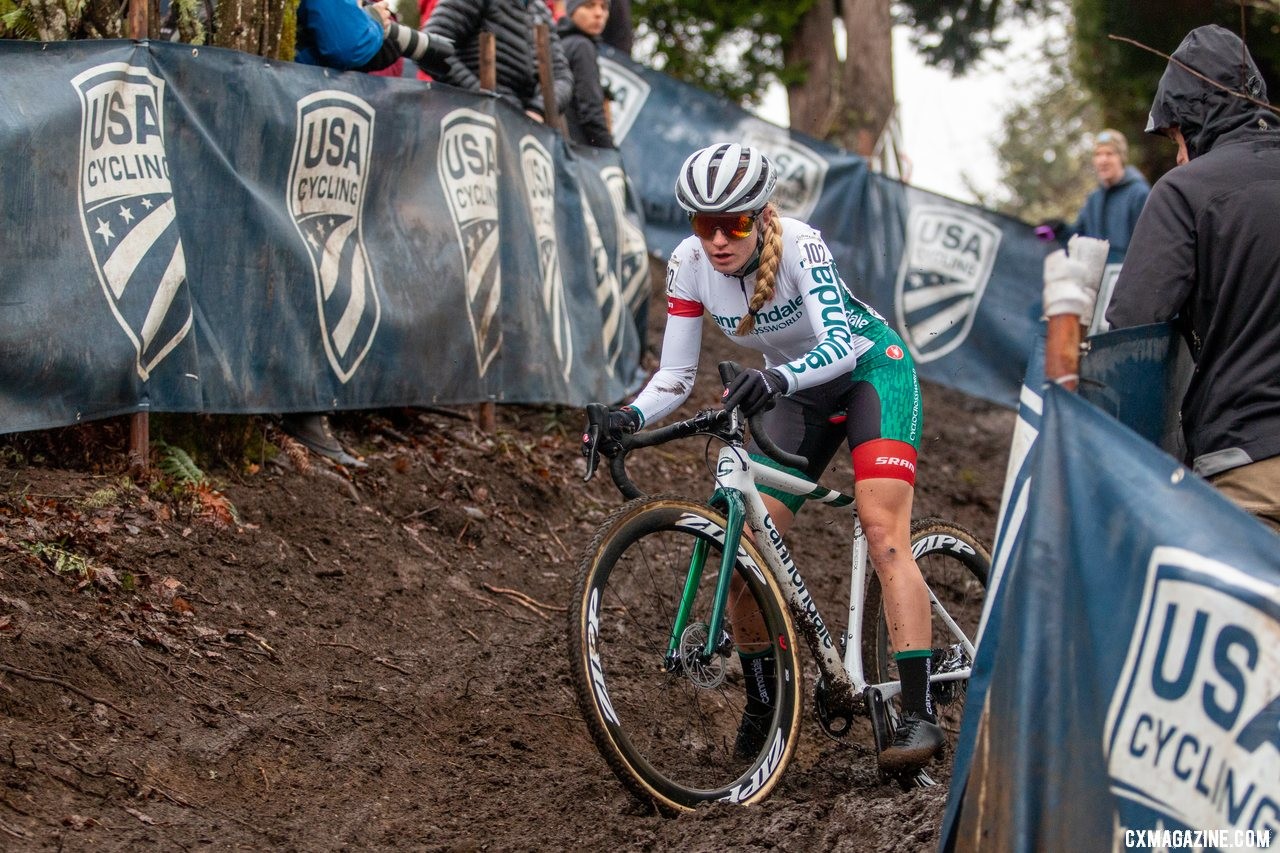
913	671
759	670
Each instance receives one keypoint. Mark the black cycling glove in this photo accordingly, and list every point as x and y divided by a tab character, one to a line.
622	422
753	390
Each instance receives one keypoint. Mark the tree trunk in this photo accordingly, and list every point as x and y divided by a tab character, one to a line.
815	103
262	27
867	81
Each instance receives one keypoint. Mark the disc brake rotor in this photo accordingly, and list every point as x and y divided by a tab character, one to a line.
707	674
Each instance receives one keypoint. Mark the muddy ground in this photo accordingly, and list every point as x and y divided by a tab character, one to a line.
297	657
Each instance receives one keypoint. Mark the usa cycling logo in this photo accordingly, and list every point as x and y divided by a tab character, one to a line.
328	179
613	308
801	170
540	189
629	91
633	253
1191	735
945	268
468	167
126	207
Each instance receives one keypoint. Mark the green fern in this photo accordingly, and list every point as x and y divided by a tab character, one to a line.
178	465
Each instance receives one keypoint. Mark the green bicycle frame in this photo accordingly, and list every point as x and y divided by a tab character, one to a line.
735	510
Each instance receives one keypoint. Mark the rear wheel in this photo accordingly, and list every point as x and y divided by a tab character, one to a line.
667	719
955	565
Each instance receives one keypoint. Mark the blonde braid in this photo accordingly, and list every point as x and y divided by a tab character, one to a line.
770	257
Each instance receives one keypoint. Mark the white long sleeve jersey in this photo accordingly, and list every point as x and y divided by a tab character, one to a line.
813	329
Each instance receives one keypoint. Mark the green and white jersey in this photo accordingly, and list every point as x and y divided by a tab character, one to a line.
813	329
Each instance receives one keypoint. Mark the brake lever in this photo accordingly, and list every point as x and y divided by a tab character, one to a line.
591	450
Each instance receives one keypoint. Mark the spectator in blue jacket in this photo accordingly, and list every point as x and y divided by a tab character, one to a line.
1111	211
340	34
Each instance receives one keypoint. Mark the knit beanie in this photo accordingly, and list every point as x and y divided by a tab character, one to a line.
570	6
1113	138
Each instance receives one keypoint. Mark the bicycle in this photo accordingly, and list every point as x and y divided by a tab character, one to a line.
652	656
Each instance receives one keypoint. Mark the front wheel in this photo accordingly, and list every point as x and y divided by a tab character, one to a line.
955	566
667	716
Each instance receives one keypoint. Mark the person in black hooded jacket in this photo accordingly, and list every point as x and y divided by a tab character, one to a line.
1206	253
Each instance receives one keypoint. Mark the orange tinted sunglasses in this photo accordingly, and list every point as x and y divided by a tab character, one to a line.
735	226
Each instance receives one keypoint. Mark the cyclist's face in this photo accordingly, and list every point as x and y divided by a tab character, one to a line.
727	254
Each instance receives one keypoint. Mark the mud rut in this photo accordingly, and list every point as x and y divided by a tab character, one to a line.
377	661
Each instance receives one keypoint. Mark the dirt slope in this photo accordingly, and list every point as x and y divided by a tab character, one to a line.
376	661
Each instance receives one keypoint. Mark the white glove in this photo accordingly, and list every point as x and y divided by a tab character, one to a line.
1072	277
1092	253
1064	289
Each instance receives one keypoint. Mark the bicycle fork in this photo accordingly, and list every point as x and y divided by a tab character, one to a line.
717	640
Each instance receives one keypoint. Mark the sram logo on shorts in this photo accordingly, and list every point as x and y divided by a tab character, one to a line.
896	462
126	208
628	91
801	171
1192	734
328	176
540	189
945	268
468	166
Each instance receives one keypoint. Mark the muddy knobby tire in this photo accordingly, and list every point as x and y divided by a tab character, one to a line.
667	724
955	565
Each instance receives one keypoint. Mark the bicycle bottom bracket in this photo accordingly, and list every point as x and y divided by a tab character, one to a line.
704	672
835	720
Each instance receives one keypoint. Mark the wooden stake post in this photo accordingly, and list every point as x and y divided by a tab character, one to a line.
542	35
487	415
139	424
1062	350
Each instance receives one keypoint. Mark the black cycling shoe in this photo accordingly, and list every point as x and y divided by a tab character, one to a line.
915	742
752	732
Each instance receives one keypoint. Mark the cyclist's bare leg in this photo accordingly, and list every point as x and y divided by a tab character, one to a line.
884	505
749	631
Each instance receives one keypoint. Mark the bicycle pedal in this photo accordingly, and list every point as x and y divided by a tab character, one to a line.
918	779
881	722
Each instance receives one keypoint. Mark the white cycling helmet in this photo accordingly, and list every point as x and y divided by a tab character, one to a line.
725	178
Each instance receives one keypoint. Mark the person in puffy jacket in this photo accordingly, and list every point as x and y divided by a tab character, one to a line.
1205	255
512	23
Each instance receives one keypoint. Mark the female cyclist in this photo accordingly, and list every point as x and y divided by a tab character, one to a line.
834	371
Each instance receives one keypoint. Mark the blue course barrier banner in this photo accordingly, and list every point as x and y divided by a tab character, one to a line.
1135	375
194	229
1126	693
960	284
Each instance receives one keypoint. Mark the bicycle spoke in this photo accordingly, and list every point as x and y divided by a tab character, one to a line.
670	726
